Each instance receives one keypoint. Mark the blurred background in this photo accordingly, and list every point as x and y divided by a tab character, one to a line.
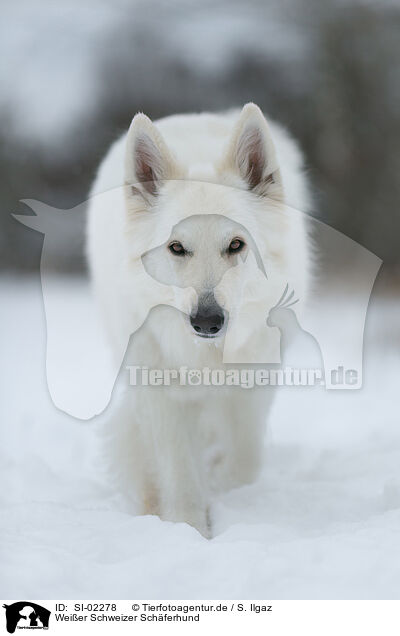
74	73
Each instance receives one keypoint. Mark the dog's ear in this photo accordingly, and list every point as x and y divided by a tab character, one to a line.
148	162
251	153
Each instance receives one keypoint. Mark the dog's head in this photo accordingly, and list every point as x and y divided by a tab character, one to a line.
198	253
189	224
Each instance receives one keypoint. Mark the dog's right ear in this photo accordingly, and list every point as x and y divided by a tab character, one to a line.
148	162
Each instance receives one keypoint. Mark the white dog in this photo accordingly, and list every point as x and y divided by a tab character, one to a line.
200	193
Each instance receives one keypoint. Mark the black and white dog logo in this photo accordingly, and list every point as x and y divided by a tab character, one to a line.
26	615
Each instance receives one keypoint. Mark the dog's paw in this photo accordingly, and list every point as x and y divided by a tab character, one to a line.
200	520
203	526
203	523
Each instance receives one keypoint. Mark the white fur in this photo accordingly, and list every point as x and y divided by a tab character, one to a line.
170	448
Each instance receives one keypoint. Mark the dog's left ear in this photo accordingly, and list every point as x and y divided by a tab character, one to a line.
251	154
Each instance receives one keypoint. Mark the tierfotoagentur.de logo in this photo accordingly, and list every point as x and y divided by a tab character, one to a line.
26	615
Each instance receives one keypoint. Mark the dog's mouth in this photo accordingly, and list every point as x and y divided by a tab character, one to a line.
207	336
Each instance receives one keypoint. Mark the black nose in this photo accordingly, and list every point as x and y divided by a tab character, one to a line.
207	323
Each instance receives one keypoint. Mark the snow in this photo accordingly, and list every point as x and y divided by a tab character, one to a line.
321	522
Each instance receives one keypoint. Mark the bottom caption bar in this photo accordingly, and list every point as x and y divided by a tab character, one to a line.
278	617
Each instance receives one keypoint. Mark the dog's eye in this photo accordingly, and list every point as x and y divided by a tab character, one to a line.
235	245
177	248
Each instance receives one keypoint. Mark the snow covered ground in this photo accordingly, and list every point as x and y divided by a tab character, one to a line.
323	521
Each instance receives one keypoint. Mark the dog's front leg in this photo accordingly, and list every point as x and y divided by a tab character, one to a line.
182	486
